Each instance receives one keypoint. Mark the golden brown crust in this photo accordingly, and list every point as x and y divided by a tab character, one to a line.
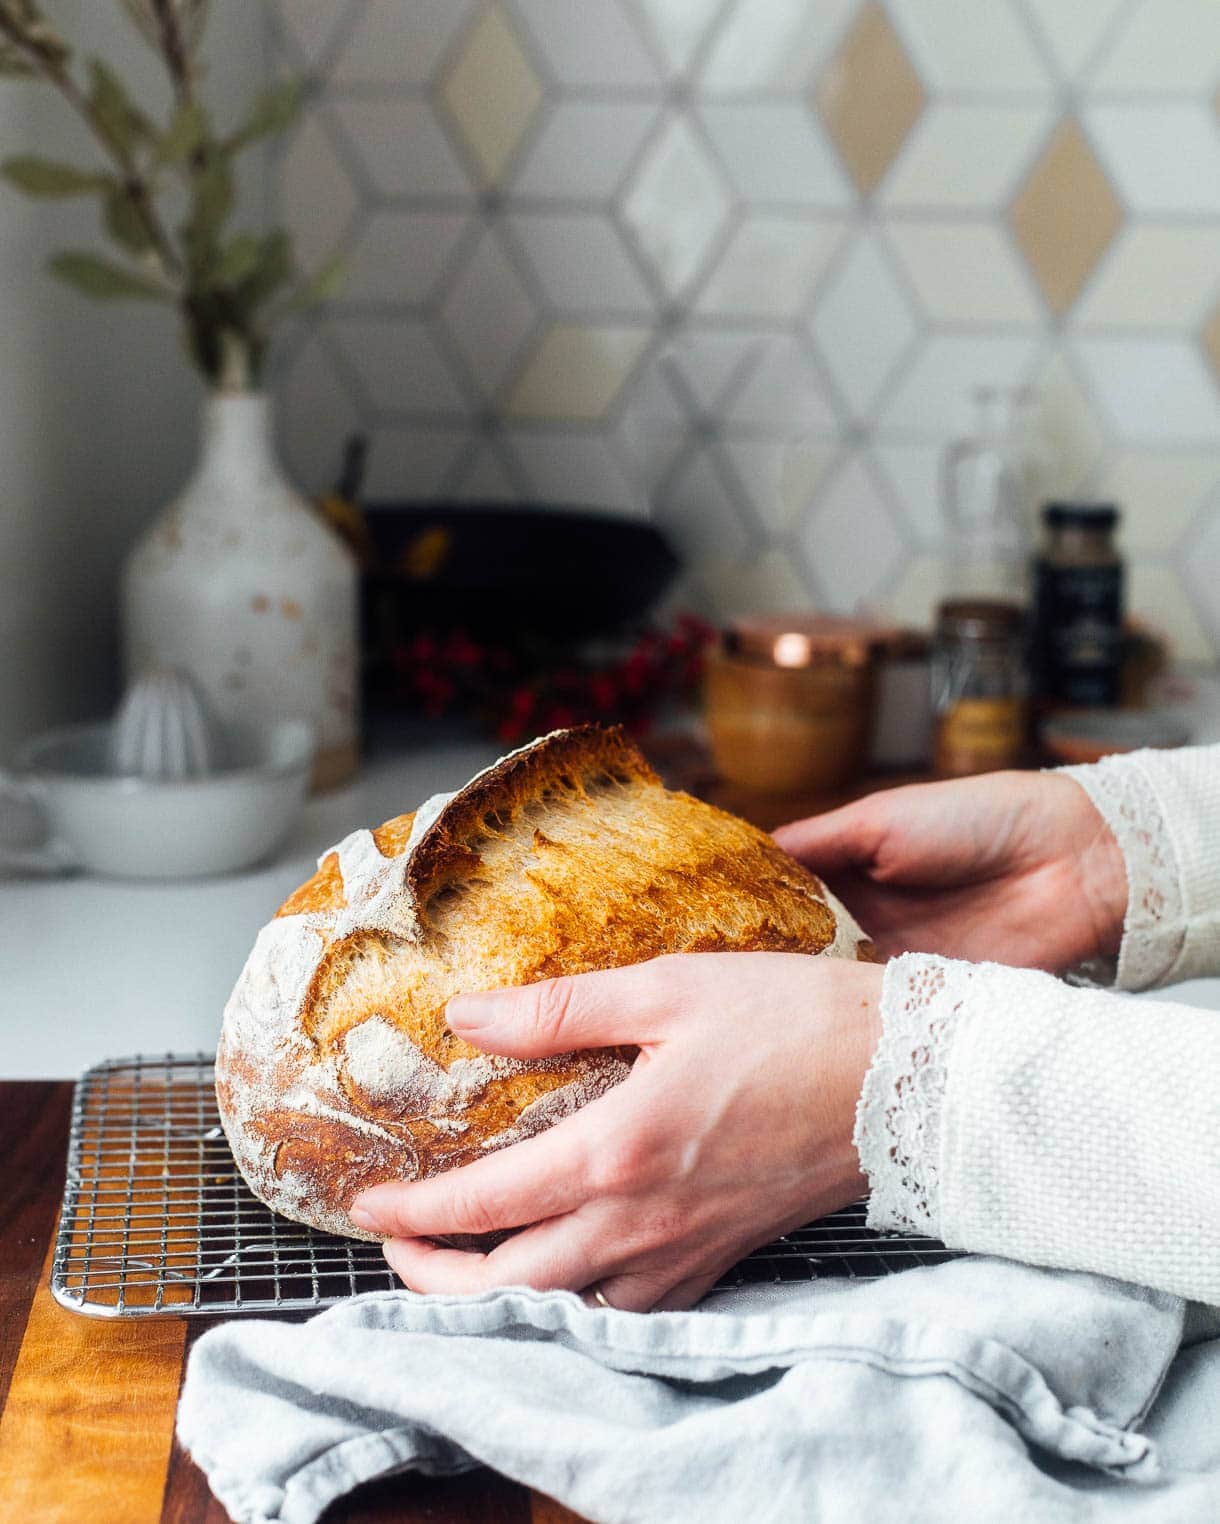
337	1067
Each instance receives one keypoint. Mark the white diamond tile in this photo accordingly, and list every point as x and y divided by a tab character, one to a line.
704	365
315	413
489	313
1164	46
577	371
410	462
1198	567
915	474
773	45
1157	598
770	585
316	198
581	263
400	256
654	427
934	394
1161	158
784	395
961	155
574	469
1160	493
1069	438
770	266
603	48
779	476
583	149
969	47
1154	390
1153	276
676	206
965	272
485	479
777	151
679	26
396	44
403	149
701	516
1074	29
851	545
863	324
309	25
399	366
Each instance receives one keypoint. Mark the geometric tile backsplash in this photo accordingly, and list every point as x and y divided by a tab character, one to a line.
738	264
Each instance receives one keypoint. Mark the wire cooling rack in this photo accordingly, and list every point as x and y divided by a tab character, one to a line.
157	1221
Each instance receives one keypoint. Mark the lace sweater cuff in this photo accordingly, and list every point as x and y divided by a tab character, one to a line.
1164	811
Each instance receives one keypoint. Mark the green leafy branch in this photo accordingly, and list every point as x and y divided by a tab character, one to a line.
229	288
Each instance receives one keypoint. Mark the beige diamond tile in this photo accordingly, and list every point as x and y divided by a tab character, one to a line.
1065	215
576	372
1160	492
491	93
871	67
1211	340
1156	597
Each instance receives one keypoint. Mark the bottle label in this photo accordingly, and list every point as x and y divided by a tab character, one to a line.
1079	633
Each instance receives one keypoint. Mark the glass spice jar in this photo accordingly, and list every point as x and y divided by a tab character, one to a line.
979	686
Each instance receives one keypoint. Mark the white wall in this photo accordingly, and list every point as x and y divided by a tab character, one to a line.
97	406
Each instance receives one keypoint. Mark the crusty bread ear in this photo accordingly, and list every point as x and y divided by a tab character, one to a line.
336	1067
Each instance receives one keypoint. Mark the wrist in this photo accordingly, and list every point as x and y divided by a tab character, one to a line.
1103	874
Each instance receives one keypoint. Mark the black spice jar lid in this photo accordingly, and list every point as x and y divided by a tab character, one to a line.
1081	515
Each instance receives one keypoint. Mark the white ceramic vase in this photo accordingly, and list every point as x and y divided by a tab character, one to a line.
242	583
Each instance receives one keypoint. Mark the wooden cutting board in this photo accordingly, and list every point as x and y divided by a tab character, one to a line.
87	1406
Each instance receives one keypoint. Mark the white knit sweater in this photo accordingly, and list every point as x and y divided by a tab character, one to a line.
1009	1113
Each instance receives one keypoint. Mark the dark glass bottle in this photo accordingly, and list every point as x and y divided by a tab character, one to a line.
1078	606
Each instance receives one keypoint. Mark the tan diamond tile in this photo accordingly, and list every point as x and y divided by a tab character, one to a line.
1065	216
491	93
1211	340
576	372
870	97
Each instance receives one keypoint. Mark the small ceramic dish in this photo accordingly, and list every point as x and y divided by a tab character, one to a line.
129	827
1087	735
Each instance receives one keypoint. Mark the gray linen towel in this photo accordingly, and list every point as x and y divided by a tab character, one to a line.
978	1389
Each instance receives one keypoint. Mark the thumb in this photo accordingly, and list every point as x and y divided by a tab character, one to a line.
618	1006
833	842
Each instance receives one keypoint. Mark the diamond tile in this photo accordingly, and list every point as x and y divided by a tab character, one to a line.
1163	157
485	479
316	412
1154	390
309	25
1065	215
770	585
772	45
1161	492
316	198
705	366
402	147
969	47
915	473
770	266
933	395
676	206
920	587
679	26
411	462
398	365
784	395
779	476
701	516
400	256
576	469
583	149
1157	598
489	314
965	155
581	263
776	151
1074	32
603	50
1070	439
1153	276
965	272
396	44
1198	564
1211	340
1164	46
850	543
492	93
863	324
654	427
576	371
871	66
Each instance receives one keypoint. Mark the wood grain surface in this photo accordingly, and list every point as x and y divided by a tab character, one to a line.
87	1406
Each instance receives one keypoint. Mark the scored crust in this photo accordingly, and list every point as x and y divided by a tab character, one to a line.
336	1069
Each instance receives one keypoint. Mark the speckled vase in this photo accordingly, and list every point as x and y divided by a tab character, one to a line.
241	582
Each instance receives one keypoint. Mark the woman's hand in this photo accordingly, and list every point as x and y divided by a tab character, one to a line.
733	1126
1014	867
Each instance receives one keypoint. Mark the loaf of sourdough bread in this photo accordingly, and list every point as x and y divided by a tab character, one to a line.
336	1069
